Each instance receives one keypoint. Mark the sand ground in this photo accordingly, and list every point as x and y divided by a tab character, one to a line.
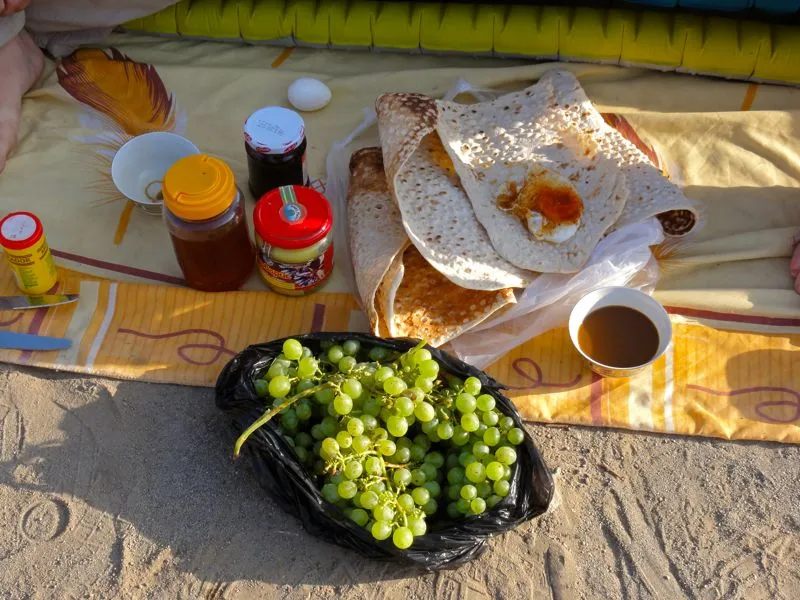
126	490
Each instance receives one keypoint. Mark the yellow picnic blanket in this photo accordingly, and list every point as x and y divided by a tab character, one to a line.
734	147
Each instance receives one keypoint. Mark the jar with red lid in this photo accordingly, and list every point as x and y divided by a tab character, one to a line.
275	142
294	239
205	215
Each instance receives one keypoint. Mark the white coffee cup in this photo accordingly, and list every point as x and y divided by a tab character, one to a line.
628	297
139	166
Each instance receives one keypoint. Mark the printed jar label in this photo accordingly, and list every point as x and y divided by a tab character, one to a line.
295	278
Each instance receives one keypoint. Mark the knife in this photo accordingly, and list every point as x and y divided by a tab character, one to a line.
27	302
26	341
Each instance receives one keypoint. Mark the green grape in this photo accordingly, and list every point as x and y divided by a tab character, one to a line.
289	420
465	403
454	382
369	500
465	458
481	429
378	487
343	404
404	442
326	344
344	439
429	471
351	347
379	433
401	477
373	465
378	354
387	447
303	410
501	488
361	443
420	356
279	386
425	412
353	470
516	436
347	489
417	526
421	495
383	513
331	410
431	506
463	506
336	478
385	414
347	364
490	418
317	432
453	511
491	436
475	472
382	374
460	437
485	402
371	407
416	395
303	440
352	387
424	383
403	406
302	453
402	537
417	453
423	442
359	516
495	471
477	506
492	501
479	450
292	349
468	492
330	447
276	369
394	386
329	492
486	459
261	387
472	386
397	426
451	460
445	430
428	369
303	385
470	422
433	488
370	422
307	352
355	426
484	489
435	458
405	502
506	472
506	455
381	530
401	455
335	354
325	395
454	492
506	423
418	477
434	437
455	475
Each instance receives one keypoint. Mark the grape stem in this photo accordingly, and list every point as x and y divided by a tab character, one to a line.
268	414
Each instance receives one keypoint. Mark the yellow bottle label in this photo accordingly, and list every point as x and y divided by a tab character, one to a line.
33	267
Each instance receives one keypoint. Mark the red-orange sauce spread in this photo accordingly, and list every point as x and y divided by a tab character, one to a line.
558	203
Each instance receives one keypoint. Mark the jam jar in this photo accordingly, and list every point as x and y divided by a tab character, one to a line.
205	215
275	142
294	239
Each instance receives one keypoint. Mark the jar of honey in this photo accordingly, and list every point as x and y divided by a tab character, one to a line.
205	215
275	143
294	239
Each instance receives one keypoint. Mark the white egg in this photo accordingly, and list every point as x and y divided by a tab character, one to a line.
543	230
308	94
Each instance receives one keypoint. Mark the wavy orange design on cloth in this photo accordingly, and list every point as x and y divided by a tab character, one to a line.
622	125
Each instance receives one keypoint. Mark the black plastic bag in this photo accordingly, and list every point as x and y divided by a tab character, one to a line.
447	543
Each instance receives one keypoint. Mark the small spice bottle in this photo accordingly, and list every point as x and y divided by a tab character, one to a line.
275	142
294	239
205	215
25	246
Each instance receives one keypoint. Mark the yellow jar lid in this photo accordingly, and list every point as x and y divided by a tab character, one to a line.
198	187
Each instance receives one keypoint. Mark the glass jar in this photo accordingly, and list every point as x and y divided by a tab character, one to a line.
294	240
275	142
205	215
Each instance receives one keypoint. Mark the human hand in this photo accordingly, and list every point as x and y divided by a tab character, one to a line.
21	64
9	7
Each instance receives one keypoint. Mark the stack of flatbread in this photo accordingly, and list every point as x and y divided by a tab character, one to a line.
465	203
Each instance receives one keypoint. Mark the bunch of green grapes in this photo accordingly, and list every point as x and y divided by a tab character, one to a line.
393	439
